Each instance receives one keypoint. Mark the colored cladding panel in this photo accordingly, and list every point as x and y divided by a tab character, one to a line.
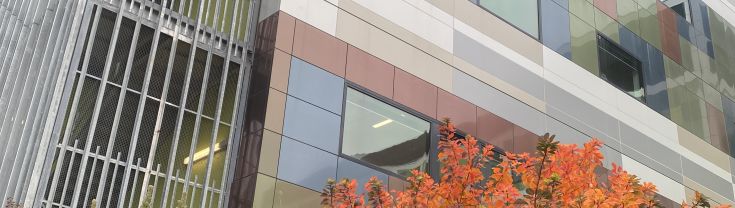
522	14
642	146
706	178
555	28
684	28
607	26
462	113
632	43
671	45
628	15
494	130
717	129
680	76
305	165
315	86
524	141
650	28
370	72
311	125
570	109
583	9
415	93
352	170
690	56
728	107
700	17
319	48
609	7
293	196
563	3
584	45
654	76
688	110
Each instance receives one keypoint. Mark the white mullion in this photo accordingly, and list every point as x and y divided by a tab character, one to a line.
135	181
68	171
91	176
193	189
112	183
176	183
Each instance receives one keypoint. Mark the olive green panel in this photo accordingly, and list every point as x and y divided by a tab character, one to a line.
265	188
648	5
690	56
650	28
677	73
628	15
687	109
607	26
713	97
583	10
584	45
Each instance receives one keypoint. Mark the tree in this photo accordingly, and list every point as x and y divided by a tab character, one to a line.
556	175
11	203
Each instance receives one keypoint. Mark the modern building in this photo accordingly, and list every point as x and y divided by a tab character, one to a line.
239	103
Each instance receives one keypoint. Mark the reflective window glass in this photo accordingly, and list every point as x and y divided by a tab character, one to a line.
620	69
383	135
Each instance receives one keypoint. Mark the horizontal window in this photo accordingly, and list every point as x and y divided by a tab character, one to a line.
620	69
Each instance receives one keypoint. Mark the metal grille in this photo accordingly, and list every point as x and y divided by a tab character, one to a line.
197	76
86	39
69	105
158	76
105	118
178	73
125	129
213	86
122	50
145	135
101	43
230	96
166	137
140	60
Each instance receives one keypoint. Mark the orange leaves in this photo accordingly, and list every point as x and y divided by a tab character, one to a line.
557	175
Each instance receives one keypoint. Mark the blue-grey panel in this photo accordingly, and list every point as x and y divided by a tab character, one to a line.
700	18
315	86
708	179
704	44
564	133
497	65
555	32
352	170
658	167
728	107
651	148
563	3
305	165
311	125
632	43
569	105
499	103
685	29
657	97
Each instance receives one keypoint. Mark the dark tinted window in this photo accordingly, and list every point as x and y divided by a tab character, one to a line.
620	68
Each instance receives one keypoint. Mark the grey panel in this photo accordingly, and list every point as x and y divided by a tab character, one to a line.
611	156
564	133
315	86
499	103
708	179
496	64
587	115
311	125
643	144
305	165
650	163
352	170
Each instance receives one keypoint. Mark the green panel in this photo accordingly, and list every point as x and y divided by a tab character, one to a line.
688	110
713	97
650	28
649	5
628	15
676	73
709	74
690	56
584	45
607	26
583	10
521	13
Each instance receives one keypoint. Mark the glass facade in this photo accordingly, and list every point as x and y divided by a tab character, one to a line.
384	136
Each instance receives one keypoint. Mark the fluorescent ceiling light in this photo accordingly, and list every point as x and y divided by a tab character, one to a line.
382	123
201	154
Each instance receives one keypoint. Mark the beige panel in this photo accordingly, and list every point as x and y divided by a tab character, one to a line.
714	197
265	187
289	195
445	5
704	149
275	111
393	29
499	30
499	84
269	153
280	70
384	46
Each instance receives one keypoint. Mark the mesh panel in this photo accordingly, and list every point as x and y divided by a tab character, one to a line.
122	51
86	38
158	76
62	178
228	101
125	128
73	174
178	73
51	176
195	82
134	190
145	135
182	149
112	190
165	139
105	118
203	143
213	86
68	106
87	172
101	43
218	162
93	185
84	111
140	60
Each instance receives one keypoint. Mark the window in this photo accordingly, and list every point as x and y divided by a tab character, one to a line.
680	7
383	135
620	69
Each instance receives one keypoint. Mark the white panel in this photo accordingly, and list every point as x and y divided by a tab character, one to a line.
414	20
318	13
666	187
649	117
723	8
498	47
430	9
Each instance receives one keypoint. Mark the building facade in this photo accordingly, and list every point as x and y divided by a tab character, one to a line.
239	103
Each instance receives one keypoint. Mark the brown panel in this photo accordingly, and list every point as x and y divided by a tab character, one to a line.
415	93
242	192
369	71
718	135
609	7
319	48
461	112
284	36
494	130
249	155
669	35
524	140
279	74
